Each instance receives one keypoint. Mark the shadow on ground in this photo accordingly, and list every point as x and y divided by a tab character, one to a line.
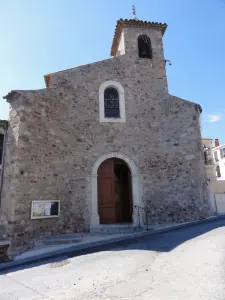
166	242
161	242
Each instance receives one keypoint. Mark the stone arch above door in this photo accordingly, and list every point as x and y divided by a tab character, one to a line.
124	157
136	195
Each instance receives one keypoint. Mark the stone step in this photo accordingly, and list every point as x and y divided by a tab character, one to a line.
4	245
73	238
57	241
108	229
60	239
64	235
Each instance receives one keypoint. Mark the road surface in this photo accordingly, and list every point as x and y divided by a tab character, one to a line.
183	264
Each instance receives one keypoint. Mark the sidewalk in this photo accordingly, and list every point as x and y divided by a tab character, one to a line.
89	243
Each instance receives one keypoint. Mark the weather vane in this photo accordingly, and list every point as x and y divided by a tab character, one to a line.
134	12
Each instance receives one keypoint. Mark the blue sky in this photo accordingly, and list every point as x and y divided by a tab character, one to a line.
40	37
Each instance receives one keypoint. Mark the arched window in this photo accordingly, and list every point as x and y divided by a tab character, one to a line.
144	47
111	103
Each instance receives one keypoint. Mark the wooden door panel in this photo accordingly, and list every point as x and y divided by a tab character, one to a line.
130	195
107	215
106	192
106	197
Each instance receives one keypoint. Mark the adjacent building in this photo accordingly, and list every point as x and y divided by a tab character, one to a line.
210	163
214	163
218	153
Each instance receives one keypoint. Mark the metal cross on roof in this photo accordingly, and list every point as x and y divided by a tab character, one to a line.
134	12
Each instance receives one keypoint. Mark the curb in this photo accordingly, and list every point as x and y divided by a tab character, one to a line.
101	245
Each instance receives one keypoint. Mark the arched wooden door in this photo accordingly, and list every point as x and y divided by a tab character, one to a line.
114	192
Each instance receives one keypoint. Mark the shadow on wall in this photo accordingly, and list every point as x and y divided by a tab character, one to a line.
164	242
3	225
7	176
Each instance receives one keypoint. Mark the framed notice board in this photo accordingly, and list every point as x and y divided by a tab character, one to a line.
45	209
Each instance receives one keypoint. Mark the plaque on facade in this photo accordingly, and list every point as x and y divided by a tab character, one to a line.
45	209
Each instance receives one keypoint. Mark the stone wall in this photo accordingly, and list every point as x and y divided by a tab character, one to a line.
3	216
55	137
3	225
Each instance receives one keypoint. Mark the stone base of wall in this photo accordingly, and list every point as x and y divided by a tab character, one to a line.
3	225
176	213
21	243
4	256
162	215
25	233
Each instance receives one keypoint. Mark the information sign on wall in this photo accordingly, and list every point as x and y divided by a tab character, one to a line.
45	209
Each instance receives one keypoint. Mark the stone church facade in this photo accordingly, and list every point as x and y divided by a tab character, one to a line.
102	139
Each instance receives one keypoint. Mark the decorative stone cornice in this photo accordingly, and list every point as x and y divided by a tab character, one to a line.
133	23
11	96
198	108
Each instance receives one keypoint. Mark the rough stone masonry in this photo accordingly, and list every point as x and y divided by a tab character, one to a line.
55	137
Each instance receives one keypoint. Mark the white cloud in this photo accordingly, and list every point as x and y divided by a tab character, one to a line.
212	118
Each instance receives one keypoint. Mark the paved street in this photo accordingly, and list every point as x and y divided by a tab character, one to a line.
184	264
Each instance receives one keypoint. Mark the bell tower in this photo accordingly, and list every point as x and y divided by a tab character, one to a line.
129	32
141	42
